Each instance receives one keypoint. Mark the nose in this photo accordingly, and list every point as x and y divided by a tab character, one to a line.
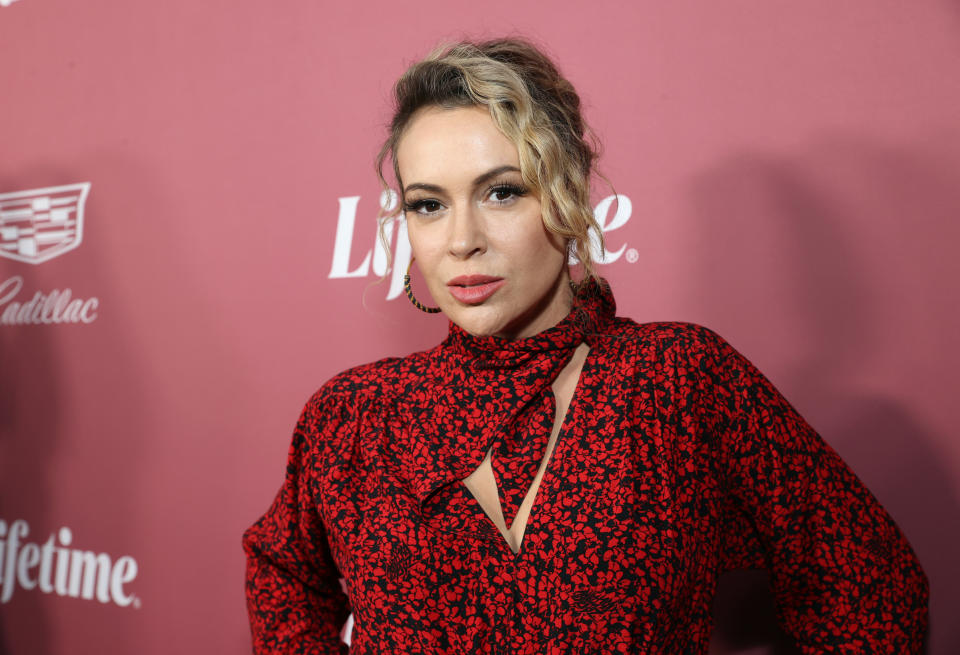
466	236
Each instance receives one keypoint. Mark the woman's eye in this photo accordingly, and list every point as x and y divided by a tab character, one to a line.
505	193
423	206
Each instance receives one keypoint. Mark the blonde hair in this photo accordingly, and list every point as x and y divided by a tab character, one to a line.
533	105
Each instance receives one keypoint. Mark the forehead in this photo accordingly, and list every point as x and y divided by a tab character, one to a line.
453	145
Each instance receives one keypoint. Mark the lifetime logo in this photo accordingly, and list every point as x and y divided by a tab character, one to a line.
53	567
375	259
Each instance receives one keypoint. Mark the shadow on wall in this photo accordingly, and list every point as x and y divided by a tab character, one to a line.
36	435
28	436
28	440
838	257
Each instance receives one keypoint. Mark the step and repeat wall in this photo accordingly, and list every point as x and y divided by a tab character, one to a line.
188	250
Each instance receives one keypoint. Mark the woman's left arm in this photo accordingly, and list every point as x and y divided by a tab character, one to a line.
844	575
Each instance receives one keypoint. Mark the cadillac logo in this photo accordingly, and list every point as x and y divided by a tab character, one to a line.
40	224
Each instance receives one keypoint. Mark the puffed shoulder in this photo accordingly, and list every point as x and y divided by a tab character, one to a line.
683	330
339	408
379	379
672	337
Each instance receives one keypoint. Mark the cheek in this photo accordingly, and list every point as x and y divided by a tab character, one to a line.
421	244
428	255
536	238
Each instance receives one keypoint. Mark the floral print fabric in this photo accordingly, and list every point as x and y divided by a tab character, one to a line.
677	460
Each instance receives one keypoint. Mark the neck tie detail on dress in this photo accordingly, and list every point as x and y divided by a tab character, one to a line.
506	395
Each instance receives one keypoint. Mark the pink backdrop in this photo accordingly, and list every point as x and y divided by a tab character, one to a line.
794	177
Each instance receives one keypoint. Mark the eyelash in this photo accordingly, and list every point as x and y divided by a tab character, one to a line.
498	187
513	189
416	205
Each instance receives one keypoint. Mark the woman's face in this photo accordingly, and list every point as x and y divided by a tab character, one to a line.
475	229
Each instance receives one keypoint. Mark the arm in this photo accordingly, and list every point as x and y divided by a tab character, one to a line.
294	597
844	576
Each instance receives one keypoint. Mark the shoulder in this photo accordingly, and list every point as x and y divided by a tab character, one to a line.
341	417
677	353
374	384
669	338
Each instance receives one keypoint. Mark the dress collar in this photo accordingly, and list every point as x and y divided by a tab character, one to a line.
593	307
491	392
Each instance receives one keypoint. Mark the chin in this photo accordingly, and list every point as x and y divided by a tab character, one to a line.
479	330
477	325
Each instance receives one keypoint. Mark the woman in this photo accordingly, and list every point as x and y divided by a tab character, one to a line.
552	478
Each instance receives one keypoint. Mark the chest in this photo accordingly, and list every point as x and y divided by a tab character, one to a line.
482	483
608	530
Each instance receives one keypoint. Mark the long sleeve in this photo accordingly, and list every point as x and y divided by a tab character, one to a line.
294	597
844	576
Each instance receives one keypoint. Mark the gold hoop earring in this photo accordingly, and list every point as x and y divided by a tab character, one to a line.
409	291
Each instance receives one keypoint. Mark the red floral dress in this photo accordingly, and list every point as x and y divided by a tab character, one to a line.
677	460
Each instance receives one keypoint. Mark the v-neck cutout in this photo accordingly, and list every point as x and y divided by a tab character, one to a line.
483	487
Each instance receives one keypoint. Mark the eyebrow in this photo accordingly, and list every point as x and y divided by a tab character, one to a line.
492	173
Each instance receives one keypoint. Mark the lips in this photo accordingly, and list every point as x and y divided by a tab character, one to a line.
474	289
